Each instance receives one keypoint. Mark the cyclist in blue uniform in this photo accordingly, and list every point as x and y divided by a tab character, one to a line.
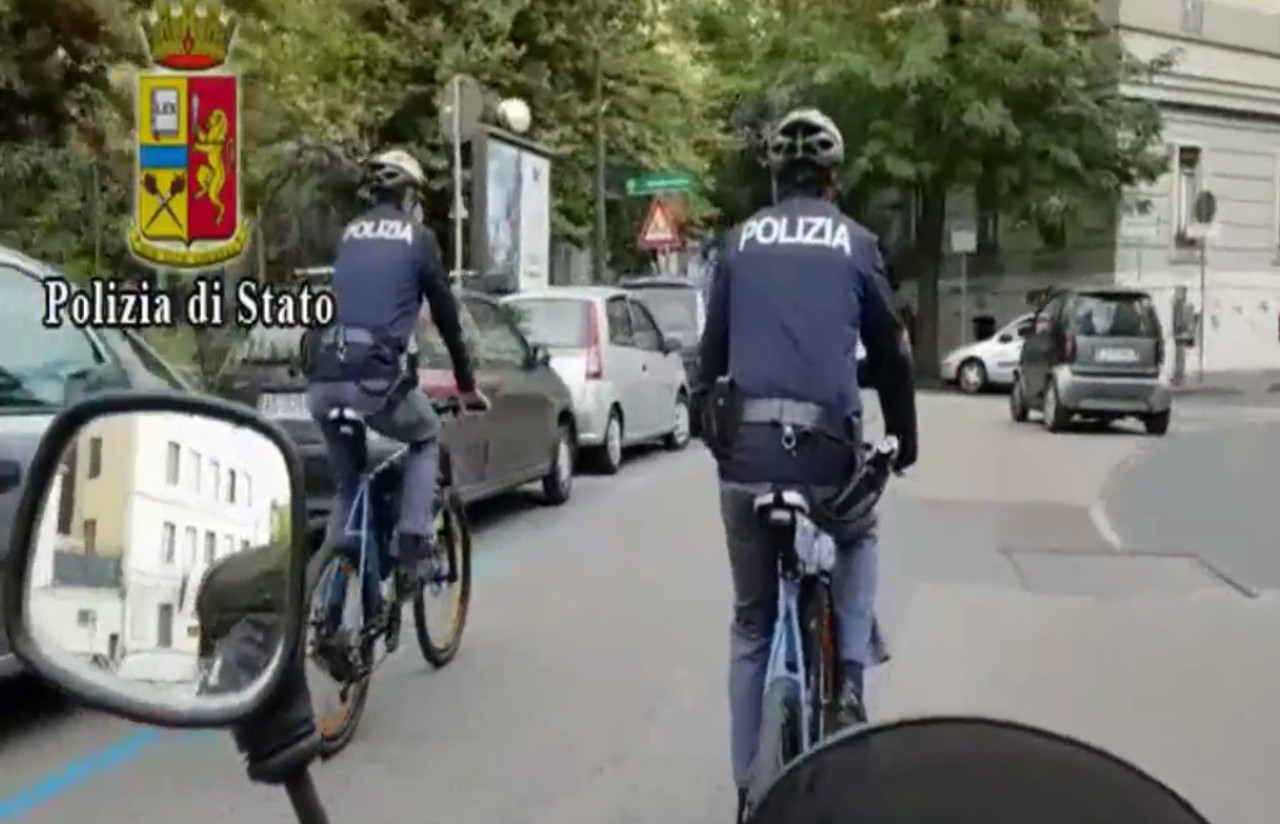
796	287
387	264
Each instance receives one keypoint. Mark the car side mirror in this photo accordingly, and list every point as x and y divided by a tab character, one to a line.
671	344
234	621
1005	338
540	355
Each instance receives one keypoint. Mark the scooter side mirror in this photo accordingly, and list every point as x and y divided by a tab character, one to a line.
157	558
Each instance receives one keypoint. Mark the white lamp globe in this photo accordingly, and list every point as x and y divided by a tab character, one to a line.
514	114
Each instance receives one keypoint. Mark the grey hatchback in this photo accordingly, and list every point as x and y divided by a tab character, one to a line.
1097	354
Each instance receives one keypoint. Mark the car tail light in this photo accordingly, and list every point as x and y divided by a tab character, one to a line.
595	365
1069	348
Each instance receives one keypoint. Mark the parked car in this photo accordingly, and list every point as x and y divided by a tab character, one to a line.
42	369
679	309
988	363
1096	354
626	378
527	436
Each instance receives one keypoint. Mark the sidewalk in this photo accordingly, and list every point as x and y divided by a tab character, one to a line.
1258	387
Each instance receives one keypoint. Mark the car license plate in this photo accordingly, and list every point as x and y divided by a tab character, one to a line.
283	405
1117	355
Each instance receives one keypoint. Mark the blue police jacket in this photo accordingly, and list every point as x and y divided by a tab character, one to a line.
387	264
796	287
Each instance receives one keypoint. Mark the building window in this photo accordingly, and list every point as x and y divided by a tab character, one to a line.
231	486
228	544
215	479
193	462
172	464
86	618
210	547
1193	16
189	548
1188	174
95	457
164	626
244	545
168	542
248	489
90	536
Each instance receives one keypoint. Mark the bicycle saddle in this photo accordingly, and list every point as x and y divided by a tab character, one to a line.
780	506
347	421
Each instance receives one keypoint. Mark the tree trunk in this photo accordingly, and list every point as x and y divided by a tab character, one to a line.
929	243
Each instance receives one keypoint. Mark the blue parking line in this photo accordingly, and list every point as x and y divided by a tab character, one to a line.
77	772
127	749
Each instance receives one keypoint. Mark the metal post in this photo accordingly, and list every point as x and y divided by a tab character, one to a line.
1204	243
599	241
964	298
457	176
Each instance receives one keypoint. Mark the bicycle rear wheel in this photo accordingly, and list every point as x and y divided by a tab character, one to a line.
337	725
818	626
780	740
452	587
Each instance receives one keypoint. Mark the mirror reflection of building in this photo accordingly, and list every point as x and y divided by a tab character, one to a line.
143	505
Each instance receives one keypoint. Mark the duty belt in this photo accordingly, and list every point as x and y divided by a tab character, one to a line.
785	412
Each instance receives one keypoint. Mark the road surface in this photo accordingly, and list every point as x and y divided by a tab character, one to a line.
591	685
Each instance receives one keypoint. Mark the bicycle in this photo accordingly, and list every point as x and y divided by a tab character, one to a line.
359	604
802	683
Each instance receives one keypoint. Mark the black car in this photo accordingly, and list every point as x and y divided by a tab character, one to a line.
680	310
527	436
43	369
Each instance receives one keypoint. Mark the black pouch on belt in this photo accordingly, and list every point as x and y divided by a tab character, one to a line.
724	416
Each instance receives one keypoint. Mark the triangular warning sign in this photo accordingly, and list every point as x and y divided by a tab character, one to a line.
659	230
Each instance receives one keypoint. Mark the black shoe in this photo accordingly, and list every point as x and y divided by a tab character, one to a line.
742	807
852	711
391	635
413	567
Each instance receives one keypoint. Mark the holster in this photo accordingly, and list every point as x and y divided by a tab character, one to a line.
722	416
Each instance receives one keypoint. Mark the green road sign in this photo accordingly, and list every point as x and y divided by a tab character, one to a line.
655	183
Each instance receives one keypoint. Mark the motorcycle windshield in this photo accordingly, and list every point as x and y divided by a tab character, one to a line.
956	770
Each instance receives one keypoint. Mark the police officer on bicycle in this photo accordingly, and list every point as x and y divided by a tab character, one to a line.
796	287
387	263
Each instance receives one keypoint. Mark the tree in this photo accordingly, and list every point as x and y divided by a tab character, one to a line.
934	96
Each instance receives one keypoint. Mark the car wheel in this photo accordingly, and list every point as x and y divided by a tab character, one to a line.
1056	416
557	484
607	458
678	437
971	377
1017	402
1157	424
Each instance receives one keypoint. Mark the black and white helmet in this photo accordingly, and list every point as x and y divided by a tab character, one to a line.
395	170
806	135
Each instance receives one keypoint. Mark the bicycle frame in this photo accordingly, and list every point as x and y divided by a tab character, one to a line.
360	510
787	647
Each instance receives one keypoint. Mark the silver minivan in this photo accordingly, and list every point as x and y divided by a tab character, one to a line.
626	379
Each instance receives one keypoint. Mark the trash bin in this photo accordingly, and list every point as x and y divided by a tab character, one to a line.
984	326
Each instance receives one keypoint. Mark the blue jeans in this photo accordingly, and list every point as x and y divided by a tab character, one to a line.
754	561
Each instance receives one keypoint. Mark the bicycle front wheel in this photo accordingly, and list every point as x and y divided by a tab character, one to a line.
449	590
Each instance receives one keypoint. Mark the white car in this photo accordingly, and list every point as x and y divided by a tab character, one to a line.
626	378
987	363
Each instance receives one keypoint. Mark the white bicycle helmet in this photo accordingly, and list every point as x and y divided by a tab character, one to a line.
808	135
395	169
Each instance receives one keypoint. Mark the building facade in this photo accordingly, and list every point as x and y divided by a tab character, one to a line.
1221	104
157	497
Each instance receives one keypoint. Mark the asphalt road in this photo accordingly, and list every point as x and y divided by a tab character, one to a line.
591	684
